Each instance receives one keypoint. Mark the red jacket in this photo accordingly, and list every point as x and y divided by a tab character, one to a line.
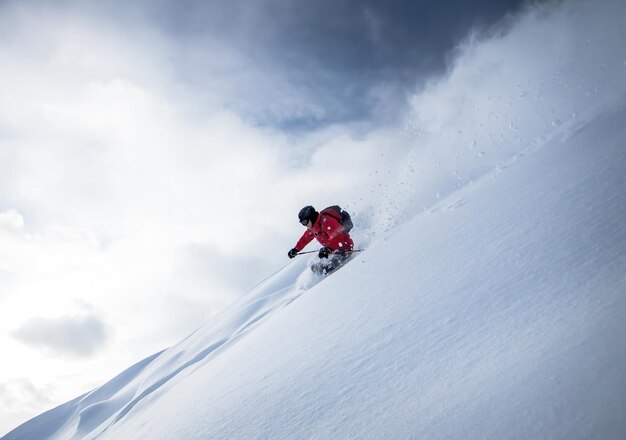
329	232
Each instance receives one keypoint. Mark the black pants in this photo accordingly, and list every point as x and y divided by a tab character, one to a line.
333	262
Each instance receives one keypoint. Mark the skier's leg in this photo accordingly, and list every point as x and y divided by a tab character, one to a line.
327	265
336	262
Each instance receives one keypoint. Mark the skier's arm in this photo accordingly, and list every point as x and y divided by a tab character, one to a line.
304	240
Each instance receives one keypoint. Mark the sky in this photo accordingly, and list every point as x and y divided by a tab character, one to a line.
150	151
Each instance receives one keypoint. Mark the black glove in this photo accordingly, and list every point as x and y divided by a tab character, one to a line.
292	253
324	252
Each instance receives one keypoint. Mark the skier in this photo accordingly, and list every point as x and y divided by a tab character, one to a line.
331	231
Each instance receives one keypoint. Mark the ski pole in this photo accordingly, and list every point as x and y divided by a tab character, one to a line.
307	252
334	252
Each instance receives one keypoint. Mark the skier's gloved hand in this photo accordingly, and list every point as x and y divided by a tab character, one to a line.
292	253
324	252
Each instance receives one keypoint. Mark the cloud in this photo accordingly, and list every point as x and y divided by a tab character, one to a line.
20	399
12	392
299	65
11	221
79	336
540	75
338	55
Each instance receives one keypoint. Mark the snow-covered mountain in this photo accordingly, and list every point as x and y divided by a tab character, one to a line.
497	313
491	307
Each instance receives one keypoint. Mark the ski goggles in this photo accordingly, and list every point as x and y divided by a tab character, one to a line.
304	222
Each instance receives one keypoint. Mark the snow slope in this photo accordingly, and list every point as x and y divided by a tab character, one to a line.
496	314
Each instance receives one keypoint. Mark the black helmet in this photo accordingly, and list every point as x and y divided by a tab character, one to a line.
307	213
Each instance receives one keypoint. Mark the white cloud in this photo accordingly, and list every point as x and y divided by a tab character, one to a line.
11	221
20	399
21	394
70	335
